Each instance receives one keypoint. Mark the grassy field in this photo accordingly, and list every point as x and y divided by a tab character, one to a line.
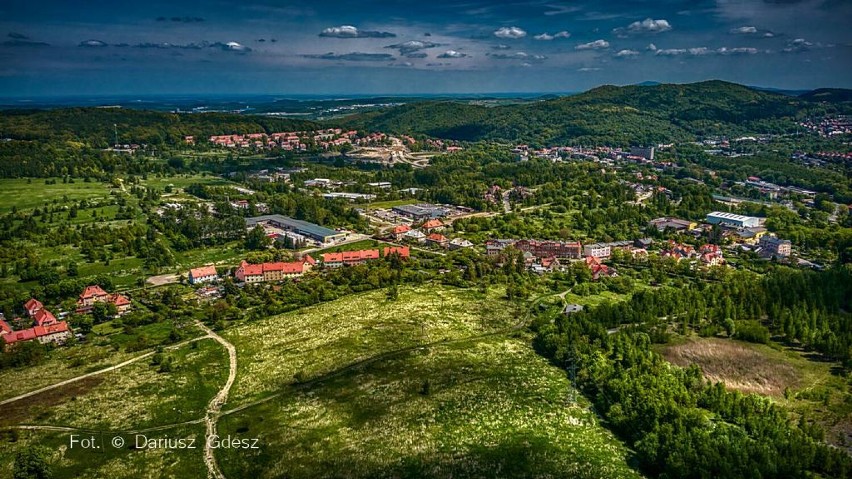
492	408
804	385
322	338
136	396
27	194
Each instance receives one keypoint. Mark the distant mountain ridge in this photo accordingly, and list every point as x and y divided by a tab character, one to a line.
619	115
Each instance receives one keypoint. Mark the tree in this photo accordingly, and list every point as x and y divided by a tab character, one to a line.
32	464
257	239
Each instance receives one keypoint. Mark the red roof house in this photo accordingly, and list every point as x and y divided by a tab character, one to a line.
32	306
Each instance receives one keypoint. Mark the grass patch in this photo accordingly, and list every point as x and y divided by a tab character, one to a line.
25	194
493	409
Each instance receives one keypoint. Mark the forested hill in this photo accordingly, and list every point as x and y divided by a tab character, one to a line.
609	114
95	125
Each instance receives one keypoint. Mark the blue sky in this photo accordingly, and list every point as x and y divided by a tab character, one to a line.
214	47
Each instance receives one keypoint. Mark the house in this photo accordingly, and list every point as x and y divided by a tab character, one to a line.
494	247
711	255
432	225
249	273
571	309
437	239
415	235
598	269
544	249
460	243
773	246
402	251
4	328
56	333
678	251
95	294
44	317
204	274
32	306
399	231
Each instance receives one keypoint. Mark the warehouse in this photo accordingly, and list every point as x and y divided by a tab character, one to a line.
732	219
304	228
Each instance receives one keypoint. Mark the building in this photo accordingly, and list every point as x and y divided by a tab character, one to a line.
398	232
316	232
773	246
733	219
647	153
420	212
402	251
598	269
437	239
349	258
711	255
675	224
460	243
276	271
414	235
204	274
432	225
571	309
56	333
32	306
545	249
597	250
95	294
494	247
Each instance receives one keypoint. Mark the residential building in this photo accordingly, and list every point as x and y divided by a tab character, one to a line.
437	239
647	153
398	232
460	243
432	225
711	255
773	246
249	273
597	250
204	274
672	223
544	249
276	271
56	333
414	235
95	294
349	258
402	251
32	306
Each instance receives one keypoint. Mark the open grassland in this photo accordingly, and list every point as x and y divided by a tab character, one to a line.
25	194
107	461
484	408
182	181
804	385
322	338
138	395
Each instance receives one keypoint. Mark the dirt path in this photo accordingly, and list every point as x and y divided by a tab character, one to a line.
214	408
94	373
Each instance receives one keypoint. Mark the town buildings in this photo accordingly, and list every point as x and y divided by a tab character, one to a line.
95	294
313	231
273	271
47	328
733	219
772	246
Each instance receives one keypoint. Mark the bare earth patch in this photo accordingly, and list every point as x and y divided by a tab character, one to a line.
739	366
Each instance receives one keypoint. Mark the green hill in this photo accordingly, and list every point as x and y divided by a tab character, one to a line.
607	114
95	125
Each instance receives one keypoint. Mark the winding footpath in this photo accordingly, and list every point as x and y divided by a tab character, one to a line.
214	408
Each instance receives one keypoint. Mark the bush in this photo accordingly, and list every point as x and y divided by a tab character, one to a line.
751	331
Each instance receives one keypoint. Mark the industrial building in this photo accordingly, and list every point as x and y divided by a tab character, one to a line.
304	228
421	212
733	219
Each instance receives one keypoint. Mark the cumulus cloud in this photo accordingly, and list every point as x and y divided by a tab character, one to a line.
452	54
627	53
801	45
354	57
231	47
501	47
703	51
744	30
510	32
595	45
412	46
547	37
93	44
349	31
648	25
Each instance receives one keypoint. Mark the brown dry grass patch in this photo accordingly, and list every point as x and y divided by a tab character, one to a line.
737	365
29	408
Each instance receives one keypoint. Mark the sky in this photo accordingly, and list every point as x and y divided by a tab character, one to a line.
99	48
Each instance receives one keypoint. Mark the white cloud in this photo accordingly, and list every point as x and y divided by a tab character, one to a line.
744	30
627	53
704	51
452	54
652	47
510	32
349	31
648	25
588	69
595	45
547	37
